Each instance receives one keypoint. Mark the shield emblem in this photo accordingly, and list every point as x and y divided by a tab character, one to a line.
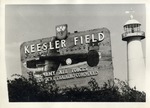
61	31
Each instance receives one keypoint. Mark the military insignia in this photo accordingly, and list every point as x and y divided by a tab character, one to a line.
61	31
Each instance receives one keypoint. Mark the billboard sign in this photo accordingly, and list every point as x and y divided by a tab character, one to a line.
69	58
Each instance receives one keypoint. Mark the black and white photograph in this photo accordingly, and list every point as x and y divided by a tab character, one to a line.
75	53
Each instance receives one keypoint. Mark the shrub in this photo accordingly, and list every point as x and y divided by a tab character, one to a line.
29	90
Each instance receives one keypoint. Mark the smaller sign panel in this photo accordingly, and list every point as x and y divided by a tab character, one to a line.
61	31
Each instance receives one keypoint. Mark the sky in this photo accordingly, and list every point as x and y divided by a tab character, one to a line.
30	22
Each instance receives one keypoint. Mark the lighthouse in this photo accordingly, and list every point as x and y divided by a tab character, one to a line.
135	59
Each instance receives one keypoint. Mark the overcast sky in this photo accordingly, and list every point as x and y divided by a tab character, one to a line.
30	22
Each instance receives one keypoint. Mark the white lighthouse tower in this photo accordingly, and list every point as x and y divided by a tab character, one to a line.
136	65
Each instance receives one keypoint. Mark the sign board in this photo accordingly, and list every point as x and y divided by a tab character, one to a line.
69	58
